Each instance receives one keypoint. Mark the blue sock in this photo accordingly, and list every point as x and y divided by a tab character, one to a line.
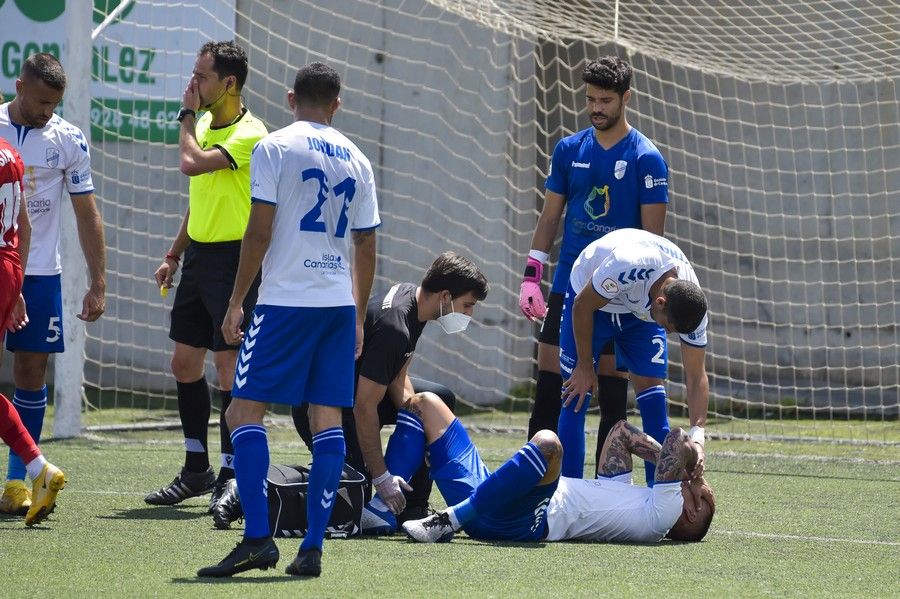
31	406
251	465
514	478
652	406
328	453
571	435
406	447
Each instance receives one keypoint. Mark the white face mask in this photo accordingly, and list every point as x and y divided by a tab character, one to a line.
453	322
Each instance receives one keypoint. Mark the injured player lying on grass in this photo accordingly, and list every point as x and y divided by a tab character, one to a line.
527	500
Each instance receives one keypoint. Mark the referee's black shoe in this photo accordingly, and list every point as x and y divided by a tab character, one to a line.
187	484
228	508
307	563
247	555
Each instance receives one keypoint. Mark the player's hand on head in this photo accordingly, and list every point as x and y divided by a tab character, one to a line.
580	386
390	489
697	472
18	318
93	305
700	489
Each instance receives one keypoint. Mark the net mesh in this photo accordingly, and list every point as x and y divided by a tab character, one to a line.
779	122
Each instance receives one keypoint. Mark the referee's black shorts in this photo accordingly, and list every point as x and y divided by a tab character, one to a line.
202	294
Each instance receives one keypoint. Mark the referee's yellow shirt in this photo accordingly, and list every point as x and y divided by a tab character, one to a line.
220	200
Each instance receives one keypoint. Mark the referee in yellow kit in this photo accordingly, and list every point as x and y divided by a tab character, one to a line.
215	153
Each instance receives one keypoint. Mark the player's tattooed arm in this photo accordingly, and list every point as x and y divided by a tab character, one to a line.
677	457
624	440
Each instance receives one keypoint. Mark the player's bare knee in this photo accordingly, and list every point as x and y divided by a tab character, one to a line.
420	403
185	371
225	369
548	444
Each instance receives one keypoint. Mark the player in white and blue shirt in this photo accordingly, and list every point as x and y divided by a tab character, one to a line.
527	500
57	163
313	191
632	287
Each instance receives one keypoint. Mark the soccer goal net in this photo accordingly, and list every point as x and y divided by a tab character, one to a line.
778	120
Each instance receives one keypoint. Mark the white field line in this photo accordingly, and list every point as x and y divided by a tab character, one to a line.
813	539
802	458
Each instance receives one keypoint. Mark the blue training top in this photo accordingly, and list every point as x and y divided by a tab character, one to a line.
604	189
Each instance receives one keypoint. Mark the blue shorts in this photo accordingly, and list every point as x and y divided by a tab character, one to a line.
43	302
641	346
457	468
296	355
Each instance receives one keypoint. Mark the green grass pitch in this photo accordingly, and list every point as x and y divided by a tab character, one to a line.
794	519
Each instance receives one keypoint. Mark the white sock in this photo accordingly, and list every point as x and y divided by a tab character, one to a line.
35	466
453	520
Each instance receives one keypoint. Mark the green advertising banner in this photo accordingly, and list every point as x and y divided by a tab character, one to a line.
140	63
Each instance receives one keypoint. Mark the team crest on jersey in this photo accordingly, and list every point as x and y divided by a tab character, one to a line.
609	286
52	157
597	203
619	171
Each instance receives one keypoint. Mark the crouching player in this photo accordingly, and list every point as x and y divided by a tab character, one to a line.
15	238
527	500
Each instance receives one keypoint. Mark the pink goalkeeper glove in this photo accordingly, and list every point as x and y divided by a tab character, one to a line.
531	299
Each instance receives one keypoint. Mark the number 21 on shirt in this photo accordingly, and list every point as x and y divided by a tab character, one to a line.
343	191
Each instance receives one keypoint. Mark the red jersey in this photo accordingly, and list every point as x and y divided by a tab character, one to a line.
12	171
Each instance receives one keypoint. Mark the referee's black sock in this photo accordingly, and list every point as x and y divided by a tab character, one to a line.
547	402
226	472
194	409
613	399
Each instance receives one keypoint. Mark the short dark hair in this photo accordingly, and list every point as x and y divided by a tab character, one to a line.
457	274
47	68
609	72
693	532
229	60
317	84
685	305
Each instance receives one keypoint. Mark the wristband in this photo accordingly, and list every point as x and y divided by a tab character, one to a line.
538	255
697	435
185	112
173	258
377	481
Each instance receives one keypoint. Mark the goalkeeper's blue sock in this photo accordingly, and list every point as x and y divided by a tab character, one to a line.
251	465
571	435
651	403
512	480
31	406
328	451
406	447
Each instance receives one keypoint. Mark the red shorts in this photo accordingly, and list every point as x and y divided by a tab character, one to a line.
11	277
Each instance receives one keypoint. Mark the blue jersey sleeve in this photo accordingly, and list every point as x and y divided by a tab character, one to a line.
653	177
558	177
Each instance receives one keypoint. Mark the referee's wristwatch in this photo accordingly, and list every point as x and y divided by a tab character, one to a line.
185	112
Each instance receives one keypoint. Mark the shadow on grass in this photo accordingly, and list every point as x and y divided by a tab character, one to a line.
13	523
157	513
237	579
